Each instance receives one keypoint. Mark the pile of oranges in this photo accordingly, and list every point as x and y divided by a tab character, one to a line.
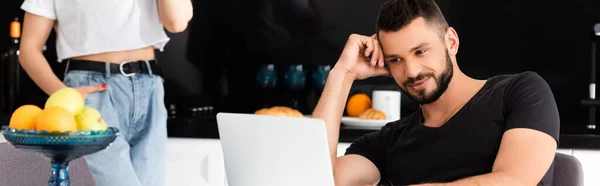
28	117
64	111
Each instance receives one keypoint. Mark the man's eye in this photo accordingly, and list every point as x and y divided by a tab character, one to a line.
394	60
420	52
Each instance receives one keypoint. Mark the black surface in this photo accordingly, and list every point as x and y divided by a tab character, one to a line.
571	137
522	26
593	102
579	141
262	34
4	118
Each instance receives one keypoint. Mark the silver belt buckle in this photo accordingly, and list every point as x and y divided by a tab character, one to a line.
121	69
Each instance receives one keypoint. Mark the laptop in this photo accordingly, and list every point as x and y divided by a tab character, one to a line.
261	150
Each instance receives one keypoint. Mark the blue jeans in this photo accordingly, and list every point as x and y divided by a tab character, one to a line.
135	105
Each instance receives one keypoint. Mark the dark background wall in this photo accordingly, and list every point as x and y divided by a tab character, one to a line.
31	94
214	60
550	37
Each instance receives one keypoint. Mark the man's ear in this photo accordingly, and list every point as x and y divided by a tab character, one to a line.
451	41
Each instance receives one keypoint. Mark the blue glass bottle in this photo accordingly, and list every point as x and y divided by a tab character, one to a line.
319	77
295	77
266	78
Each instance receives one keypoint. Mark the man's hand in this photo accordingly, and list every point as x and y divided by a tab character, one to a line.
87	90
355	61
353	64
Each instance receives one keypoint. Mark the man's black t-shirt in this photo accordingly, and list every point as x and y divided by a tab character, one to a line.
408	152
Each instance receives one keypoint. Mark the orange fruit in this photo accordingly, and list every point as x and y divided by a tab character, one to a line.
56	119
357	104
24	117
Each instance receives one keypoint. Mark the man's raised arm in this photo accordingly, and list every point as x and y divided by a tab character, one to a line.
353	64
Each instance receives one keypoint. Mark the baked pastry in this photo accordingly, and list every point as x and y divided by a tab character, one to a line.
263	111
372	114
279	111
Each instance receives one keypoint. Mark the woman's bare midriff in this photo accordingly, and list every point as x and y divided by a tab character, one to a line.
146	53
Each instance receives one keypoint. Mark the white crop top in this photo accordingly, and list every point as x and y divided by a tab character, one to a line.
86	27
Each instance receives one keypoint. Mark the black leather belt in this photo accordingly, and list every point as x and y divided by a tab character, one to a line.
126	68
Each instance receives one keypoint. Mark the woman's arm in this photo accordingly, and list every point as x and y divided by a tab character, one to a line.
36	30
175	14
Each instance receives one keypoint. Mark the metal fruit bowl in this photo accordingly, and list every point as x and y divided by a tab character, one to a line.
60	147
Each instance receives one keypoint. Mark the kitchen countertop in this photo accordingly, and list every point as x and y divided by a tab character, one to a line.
572	137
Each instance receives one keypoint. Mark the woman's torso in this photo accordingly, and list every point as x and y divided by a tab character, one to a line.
110	30
146	53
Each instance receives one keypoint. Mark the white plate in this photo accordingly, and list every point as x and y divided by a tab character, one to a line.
363	123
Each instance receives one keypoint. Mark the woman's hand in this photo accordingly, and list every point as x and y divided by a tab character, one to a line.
87	90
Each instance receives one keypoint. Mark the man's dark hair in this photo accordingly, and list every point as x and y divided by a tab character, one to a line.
395	14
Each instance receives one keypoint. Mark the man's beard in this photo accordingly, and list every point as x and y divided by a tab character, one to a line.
442	84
